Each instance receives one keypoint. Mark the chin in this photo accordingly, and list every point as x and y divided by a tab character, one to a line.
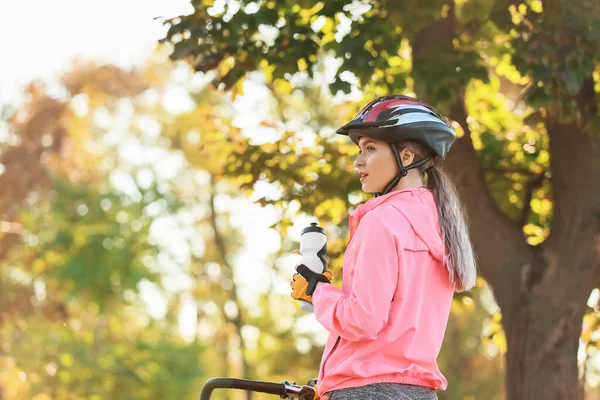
367	189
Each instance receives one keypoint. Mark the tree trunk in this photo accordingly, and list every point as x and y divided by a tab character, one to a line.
541	290
237	321
541	362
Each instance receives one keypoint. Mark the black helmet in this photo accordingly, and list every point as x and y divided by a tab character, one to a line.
395	119
399	119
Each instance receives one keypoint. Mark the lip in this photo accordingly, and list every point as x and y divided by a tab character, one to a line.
362	176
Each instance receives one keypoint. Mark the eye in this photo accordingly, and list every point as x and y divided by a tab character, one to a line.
370	148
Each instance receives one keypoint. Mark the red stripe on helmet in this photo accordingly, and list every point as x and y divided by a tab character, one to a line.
374	112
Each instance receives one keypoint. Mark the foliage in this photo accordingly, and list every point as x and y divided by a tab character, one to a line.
96	214
519	79
85	242
73	321
494	48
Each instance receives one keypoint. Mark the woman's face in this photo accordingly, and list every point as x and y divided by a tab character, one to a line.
376	164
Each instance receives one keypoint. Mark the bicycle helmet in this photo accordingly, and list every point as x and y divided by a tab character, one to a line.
395	119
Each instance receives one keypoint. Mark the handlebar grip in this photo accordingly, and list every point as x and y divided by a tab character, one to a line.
243	384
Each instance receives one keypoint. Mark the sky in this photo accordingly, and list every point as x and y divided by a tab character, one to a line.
41	38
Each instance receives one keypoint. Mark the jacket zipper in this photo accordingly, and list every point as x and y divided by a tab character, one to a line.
337	341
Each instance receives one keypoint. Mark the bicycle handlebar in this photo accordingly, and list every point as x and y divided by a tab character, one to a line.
284	390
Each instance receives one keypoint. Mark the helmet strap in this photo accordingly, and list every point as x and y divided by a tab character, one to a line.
403	170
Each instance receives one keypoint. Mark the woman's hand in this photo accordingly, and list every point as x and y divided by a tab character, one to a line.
305	282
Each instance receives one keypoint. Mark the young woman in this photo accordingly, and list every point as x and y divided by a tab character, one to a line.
409	250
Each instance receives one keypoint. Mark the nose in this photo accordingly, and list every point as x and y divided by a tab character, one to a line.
359	162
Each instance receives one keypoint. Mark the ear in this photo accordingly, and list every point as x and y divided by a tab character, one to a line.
407	156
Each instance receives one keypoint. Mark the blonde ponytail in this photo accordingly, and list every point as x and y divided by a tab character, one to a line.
453	222
462	268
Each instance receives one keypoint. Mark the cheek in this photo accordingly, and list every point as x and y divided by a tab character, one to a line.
379	163
384	167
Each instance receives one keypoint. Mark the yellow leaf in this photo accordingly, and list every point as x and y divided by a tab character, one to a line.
523	9
302	65
64	376
283	86
239	88
39	266
226	65
267	70
543	157
115	325
536	6
536	206
41	396
456	308
66	359
395	61
88	337
481	283
530	229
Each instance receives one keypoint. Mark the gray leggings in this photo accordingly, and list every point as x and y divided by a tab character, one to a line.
384	391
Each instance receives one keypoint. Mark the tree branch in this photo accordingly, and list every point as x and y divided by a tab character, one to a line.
233	293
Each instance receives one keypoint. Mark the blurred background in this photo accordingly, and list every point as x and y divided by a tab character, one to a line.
158	161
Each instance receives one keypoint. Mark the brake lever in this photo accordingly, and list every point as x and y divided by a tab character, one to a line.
293	391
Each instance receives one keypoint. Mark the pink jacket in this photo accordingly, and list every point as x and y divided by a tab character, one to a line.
387	323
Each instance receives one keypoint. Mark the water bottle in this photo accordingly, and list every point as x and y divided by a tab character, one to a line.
313	248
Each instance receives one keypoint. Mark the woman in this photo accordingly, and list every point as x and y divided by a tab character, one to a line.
409	250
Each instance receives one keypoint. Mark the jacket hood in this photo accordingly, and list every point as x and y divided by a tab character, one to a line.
418	206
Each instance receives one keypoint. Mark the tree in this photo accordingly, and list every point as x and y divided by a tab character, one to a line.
77	250
520	80
77	247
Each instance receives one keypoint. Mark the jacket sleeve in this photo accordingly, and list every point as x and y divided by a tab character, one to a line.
363	313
